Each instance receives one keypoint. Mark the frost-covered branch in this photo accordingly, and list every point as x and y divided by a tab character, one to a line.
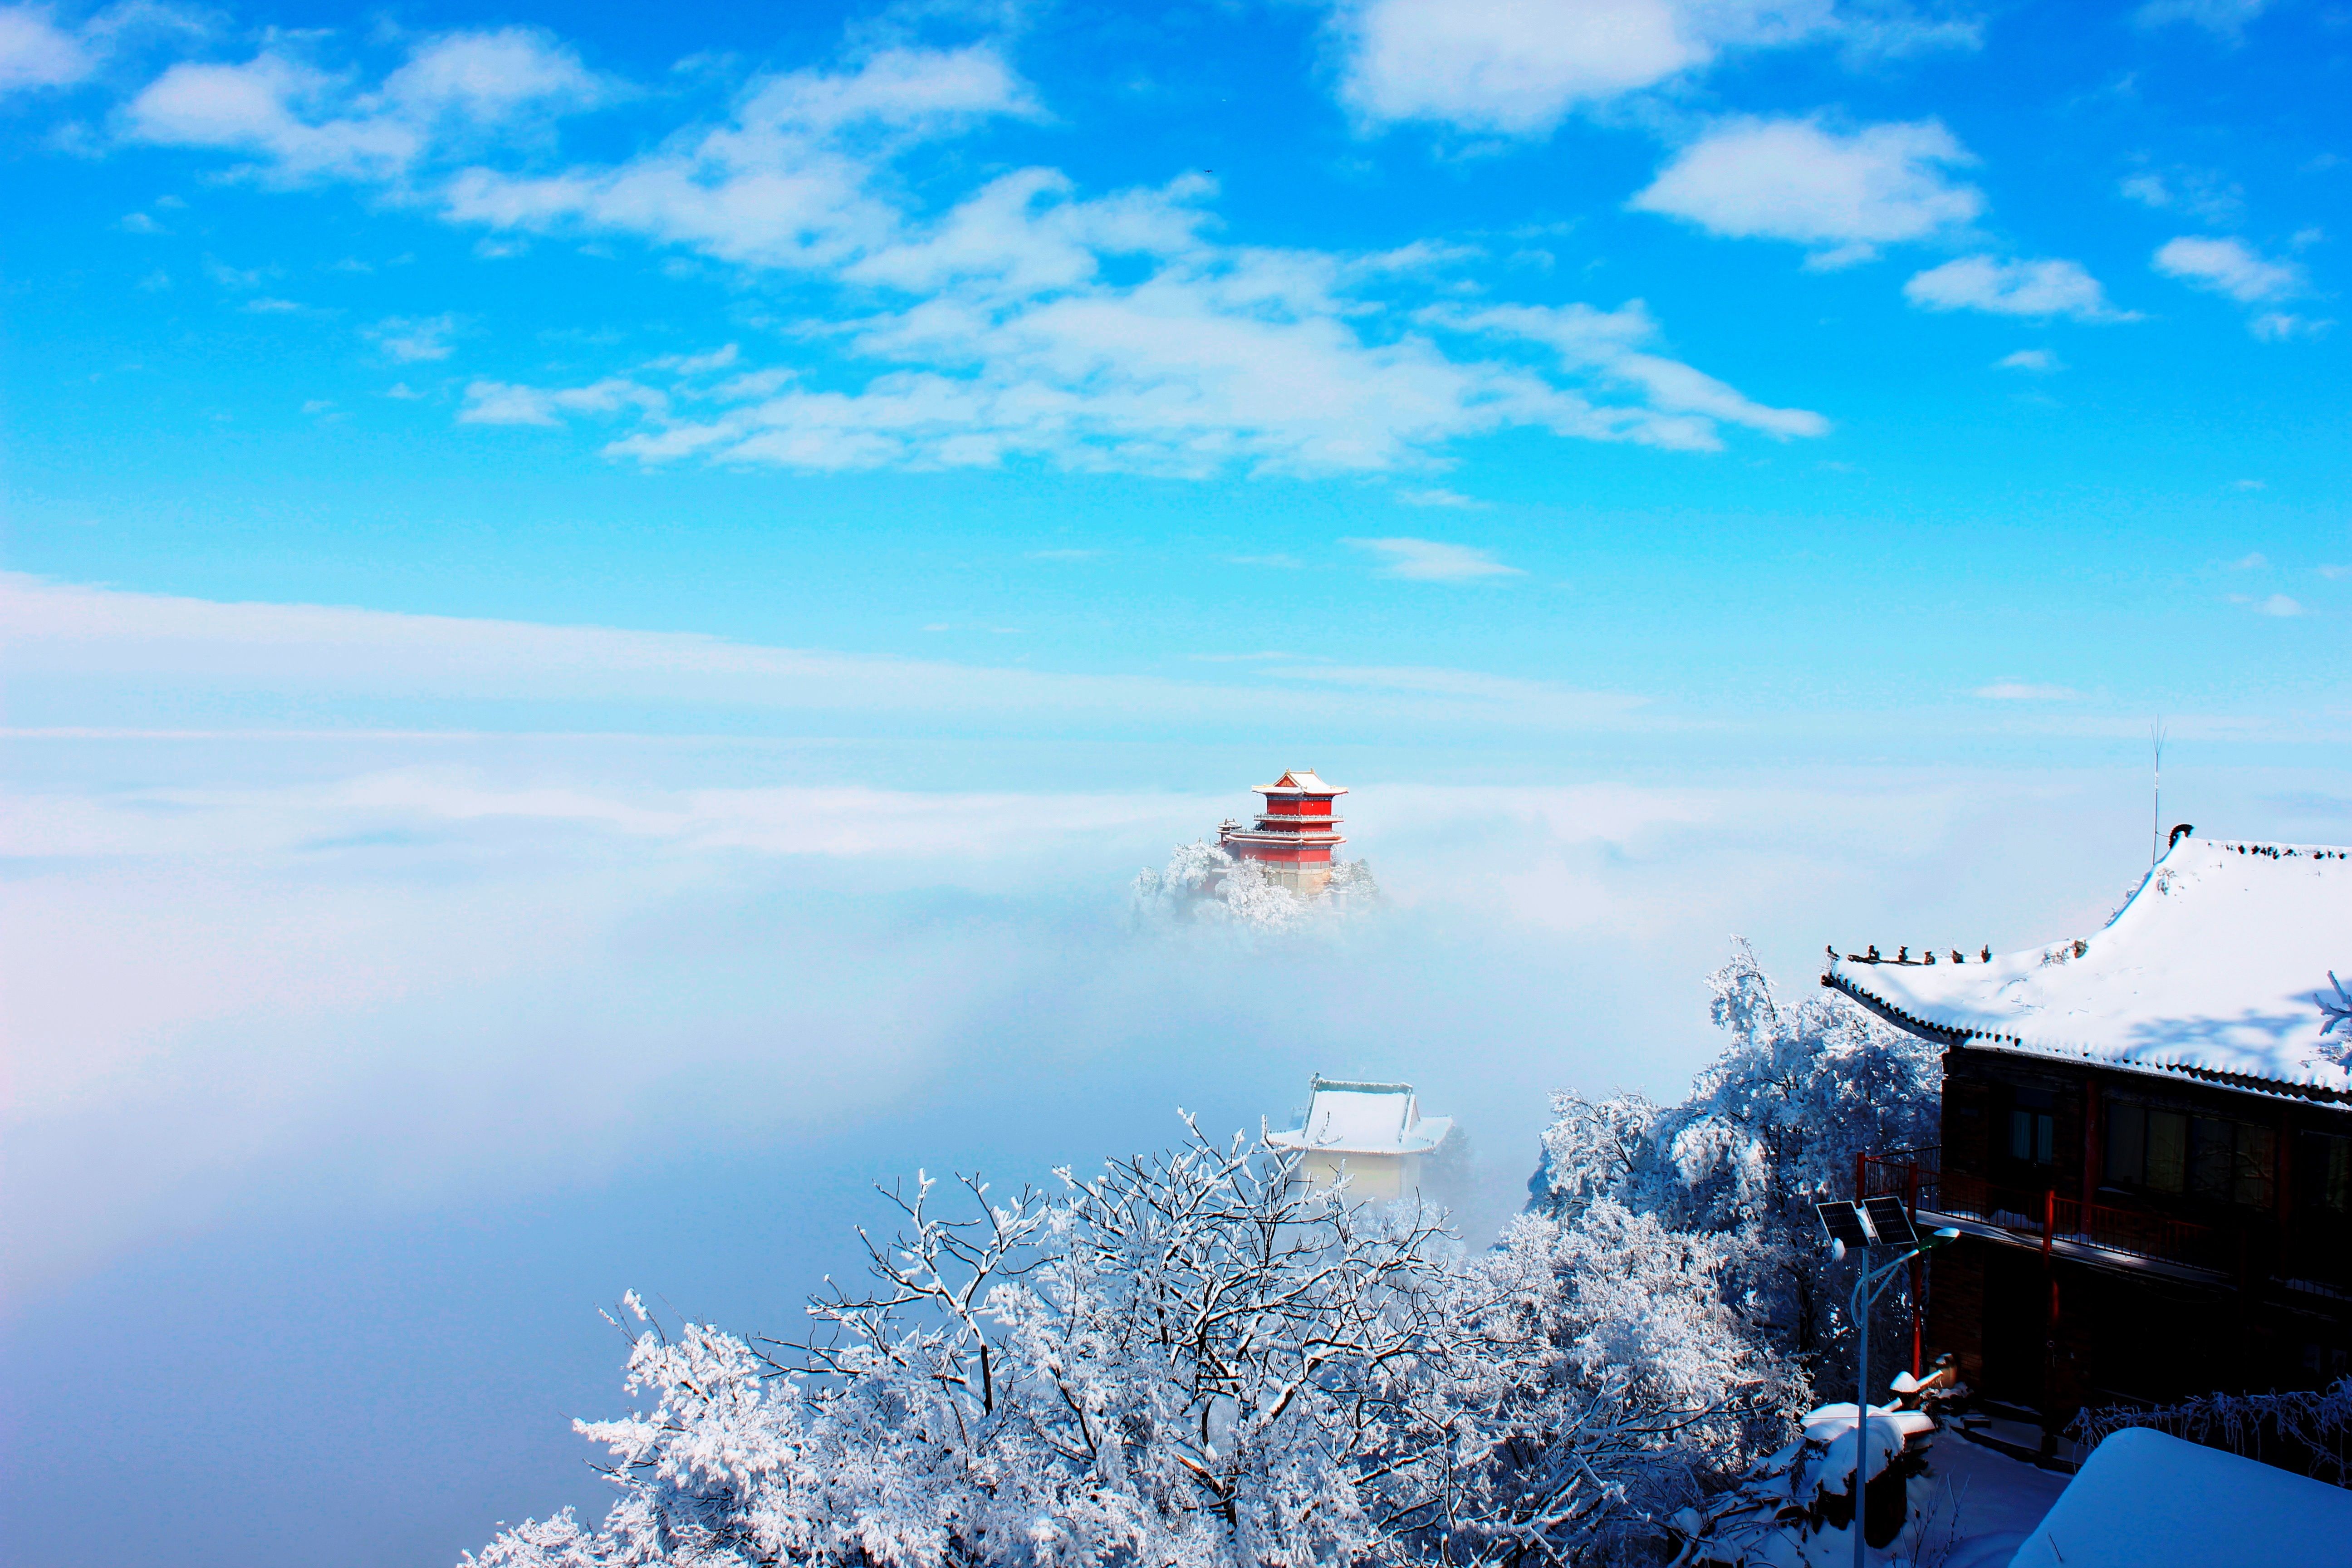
1191	1358
2306	1430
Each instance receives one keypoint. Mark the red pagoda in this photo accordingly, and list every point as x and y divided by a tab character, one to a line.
1296	832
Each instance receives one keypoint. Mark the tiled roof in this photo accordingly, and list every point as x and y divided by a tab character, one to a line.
2218	968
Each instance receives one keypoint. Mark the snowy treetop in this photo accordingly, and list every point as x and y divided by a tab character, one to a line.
2221	961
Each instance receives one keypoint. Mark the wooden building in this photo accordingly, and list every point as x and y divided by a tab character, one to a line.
1294	834
2147	1139
1373	1133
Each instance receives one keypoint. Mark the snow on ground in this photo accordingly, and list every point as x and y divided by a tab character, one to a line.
1981	1504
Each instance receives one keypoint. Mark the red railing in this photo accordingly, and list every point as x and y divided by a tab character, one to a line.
1916	1175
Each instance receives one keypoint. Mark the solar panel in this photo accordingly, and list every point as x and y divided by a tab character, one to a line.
1889	1220
1843	1222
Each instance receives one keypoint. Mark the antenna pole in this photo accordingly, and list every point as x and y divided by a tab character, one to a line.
2155	818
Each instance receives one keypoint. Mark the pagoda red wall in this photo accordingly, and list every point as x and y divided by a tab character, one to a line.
1304	855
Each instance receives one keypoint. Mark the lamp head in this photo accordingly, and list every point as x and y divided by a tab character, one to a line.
1837	1250
1944	1236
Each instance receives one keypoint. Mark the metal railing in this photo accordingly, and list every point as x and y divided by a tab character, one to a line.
2041	1215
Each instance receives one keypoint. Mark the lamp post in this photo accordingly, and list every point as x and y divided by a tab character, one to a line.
1876	1224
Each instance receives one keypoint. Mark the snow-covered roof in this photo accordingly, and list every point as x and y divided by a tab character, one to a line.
1300	781
1364	1118
2217	968
2148	1499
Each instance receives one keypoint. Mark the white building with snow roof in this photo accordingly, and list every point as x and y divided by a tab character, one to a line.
2147	1136
1373	1133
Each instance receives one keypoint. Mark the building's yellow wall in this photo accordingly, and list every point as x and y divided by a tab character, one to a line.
1374	1178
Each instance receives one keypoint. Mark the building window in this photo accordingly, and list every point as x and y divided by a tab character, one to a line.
2322	1174
2210	1157
2033	1136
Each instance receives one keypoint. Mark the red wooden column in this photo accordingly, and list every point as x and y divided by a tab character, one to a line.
2094	1144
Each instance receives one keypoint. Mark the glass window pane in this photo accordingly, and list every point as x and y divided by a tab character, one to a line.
2126	1142
2256	1148
2168	1151
2340	1178
2021	1141
2211	1157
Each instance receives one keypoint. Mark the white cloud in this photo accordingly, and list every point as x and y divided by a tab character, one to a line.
2279	605
2185	190
35	52
487	77
775	186
499	402
1436	495
171	997
2253	562
1604	343
1216	358
1026	321
2042	362
2051	287
1516	68
2026	692
269	107
720	358
2277	326
107	647
302	123
1798	180
1430	561
2223	18
411	339
1518	65
2228	267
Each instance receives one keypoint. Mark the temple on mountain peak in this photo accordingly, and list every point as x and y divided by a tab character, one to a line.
1296	832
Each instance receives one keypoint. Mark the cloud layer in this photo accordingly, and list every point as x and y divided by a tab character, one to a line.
1024	320
83	651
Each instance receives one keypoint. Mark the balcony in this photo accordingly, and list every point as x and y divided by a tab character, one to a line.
2134	1240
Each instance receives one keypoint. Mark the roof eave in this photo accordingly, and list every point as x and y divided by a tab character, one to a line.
1950	1035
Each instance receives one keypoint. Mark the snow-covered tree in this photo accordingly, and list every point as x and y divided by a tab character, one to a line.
1204	882
1191	1360
1770	1126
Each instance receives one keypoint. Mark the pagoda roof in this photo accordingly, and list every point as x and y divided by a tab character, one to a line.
1300	781
2217	968
1345	1118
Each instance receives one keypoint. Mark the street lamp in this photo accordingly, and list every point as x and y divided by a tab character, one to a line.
1873	1224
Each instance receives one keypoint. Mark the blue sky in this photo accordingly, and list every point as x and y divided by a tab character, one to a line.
599	604
1103	340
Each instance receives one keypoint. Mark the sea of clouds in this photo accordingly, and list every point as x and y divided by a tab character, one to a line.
350	1065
